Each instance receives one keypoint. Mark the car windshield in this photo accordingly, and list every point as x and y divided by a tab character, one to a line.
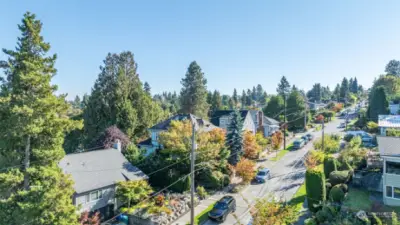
261	173
220	205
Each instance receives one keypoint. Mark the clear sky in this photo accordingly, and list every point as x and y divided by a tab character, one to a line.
237	43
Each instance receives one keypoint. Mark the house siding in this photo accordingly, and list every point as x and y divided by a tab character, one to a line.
107	198
248	124
390	180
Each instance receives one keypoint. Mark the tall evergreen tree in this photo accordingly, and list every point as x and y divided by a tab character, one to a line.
209	98
254	94
194	92
263	99
216	103
295	110
225	102
344	90
393	67
283	88
118	98
77	102
249	98
354	86
260	92
235	97
234	137
147	88
33	123
336	93
274	107
243	99
379	104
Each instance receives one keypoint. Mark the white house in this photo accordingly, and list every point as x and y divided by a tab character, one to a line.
388	121
95	174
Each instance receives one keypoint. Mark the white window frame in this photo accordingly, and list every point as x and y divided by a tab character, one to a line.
392	197
99	196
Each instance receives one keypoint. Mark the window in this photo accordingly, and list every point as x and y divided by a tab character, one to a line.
396	192
393	168
389	192
96	195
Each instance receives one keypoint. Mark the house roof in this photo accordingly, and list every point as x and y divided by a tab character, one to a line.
219	113
270	121
200	124
96	169
389	146
146	142
390	121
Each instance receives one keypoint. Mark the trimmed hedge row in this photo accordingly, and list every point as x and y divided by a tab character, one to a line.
339	177
330	164
315	187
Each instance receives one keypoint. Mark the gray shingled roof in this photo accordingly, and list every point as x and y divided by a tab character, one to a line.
270	121
200	124
389	146
96	169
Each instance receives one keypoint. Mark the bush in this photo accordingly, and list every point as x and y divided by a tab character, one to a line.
315	187
337	194
344	187
201	191
246	169
372	127
355	142
355	157
330	164
393	132
345	166
310	221
331	144
375	220
214	179
348	137
339	177
328	187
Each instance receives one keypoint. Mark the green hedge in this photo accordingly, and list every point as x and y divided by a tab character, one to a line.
337	194
330	164
315	187
339	177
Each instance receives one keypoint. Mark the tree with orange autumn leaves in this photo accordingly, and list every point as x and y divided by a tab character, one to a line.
250	146
276	140
245	169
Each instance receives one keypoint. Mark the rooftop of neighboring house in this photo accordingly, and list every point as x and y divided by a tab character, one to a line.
220	113
270	121
389	121
97	169
199	123
389	146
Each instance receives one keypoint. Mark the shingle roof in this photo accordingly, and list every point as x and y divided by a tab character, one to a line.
219	113
96	169
270	121
389	146
145	142
391	121
200	124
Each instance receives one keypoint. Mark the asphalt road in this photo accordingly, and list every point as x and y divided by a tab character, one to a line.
287	175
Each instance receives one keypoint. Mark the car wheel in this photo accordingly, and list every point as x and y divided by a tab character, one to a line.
223	218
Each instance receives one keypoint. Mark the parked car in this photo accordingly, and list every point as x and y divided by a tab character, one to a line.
298	143
263	175
222	208
305	139
342	125
310	136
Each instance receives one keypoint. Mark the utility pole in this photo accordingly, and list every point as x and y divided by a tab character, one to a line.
284	121
323	134
192	160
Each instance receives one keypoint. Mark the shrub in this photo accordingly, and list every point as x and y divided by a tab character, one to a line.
330	164
315	187
355	142
214	179
339	177
355	157
331	144
328	187
250	146
201	191
372	127
344	187
310	221
159	200
348	137
393	132
375	220
336	194
246	170
345	166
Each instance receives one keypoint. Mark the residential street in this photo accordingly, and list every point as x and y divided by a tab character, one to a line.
287	176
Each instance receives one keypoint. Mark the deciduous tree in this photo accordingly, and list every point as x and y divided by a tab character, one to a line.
133	191
246	169
274	107
250	145
393	67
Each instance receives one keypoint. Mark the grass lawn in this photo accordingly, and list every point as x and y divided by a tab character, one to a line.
203	216
358	199
299	197
282	153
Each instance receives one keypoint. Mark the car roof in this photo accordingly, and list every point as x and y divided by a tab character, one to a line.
225	199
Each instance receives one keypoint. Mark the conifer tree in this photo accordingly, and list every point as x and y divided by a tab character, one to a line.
33	123
147	88
194	92
235	97
234	137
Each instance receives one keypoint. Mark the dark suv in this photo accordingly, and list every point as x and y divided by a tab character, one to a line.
222	208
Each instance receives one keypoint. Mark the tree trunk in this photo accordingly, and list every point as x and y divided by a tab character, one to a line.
27	162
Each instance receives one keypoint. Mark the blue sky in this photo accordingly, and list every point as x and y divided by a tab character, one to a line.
237	43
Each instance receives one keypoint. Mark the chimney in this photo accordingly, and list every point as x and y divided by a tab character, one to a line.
117	145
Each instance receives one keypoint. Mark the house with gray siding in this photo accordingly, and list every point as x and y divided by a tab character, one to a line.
389	149
95	175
